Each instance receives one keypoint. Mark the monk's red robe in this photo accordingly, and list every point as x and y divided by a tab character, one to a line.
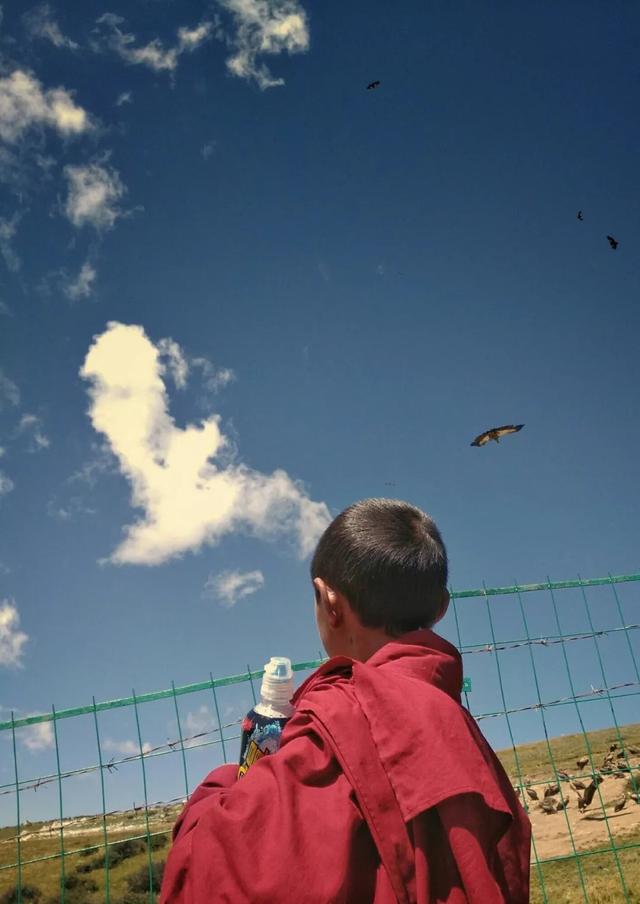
383	790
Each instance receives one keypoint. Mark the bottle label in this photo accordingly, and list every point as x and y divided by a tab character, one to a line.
260	737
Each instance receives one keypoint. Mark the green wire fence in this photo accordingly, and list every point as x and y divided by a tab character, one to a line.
538	659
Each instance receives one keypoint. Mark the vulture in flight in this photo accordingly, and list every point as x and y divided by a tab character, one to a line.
372	85
580	217
495	433
614	244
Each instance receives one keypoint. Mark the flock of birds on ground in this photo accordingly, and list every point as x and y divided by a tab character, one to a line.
585	790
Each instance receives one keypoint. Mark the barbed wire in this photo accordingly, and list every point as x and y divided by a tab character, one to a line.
545	641
595	691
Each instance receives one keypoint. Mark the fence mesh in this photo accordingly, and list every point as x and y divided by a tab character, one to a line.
556	661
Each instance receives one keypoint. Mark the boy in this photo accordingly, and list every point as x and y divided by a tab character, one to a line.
383	789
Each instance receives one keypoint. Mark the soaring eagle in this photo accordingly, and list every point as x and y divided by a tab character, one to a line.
372	85
614	244
495	433
580	217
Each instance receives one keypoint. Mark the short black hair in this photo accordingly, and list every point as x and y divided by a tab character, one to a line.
388	560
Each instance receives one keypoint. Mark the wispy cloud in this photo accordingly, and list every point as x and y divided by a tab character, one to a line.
188	494
6	484
230	586
265	27
171	357
94	195
207	150
9	392
154	55
37	737
12	639
197	722
82	285
5	310
25	104
213	378
8	229
40	23
126	748
31	427
125	98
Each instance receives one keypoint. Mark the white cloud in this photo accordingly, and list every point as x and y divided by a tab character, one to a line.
265	27
12	639
126	748
25	104
125	98
40	23
176	362
195	723
32	427
37	737
82	285
94	194
186	498
9	392
154	54
230	586
8	230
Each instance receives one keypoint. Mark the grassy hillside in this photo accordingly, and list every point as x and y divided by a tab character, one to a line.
555	835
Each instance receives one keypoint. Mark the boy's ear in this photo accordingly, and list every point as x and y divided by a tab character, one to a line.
444	605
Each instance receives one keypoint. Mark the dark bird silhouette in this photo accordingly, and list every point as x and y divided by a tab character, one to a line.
580	217
620	803
562	803
577	785
613	746
582	762
550	790
581	803
614	244
495	433
549	806
590	790
621	754
373	85
532	793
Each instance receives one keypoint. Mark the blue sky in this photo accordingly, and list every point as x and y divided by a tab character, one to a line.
239	292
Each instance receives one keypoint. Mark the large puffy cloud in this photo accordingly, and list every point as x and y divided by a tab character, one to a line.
94	195
190	489
24	103
154	55
12	639
265	27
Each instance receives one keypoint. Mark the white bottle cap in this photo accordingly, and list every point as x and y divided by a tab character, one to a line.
277	681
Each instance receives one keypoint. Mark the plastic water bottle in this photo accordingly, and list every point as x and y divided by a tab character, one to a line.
262	726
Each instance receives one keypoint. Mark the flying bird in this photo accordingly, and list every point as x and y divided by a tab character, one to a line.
614	244
495	433
580	217
373	85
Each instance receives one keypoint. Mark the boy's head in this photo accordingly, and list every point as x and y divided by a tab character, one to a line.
379	571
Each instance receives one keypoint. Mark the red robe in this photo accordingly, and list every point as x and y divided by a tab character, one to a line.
383	790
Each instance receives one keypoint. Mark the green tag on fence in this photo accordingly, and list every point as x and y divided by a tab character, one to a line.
466	685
